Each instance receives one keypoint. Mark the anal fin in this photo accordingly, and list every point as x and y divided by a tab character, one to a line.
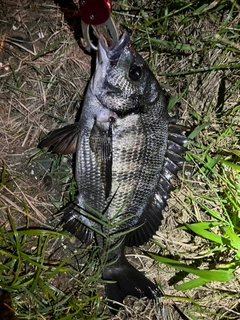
76	223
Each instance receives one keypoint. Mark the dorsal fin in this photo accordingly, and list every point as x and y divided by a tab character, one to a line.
152	216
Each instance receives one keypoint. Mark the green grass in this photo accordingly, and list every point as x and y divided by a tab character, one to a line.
29	266
201	45
221	232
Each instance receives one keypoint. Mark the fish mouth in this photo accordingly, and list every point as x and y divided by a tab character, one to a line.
113	52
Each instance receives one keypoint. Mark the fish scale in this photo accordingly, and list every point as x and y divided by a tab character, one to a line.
87	169
128	151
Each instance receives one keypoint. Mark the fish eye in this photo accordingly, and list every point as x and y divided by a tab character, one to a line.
135	72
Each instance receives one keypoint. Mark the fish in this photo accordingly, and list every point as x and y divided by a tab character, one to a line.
128	152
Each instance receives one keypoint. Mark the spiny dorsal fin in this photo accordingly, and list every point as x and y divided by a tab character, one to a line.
152	216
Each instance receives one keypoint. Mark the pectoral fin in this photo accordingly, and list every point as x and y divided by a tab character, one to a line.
101	145
63	140
107	158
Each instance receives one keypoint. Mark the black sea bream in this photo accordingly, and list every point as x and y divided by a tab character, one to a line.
128	150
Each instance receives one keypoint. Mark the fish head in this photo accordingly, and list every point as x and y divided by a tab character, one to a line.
123	82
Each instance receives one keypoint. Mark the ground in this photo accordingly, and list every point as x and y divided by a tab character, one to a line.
44	72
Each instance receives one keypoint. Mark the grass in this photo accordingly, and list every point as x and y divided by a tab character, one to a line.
193	48
29	265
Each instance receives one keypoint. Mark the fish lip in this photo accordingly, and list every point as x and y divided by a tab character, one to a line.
113	52
105	55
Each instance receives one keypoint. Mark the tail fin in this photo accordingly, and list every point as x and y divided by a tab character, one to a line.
127	281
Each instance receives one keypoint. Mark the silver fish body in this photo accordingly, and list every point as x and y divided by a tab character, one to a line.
128	150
